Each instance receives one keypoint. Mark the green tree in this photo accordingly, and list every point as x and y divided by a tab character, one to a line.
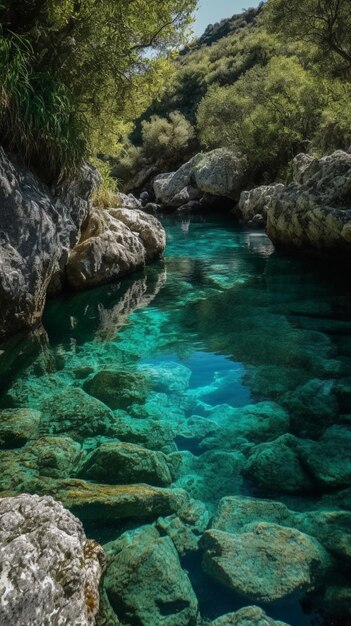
324	23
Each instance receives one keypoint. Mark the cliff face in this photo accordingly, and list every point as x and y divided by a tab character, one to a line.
38	227
39	230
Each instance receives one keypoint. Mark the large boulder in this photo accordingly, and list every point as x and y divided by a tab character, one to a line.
314	213
50	572
114	243
117	389
266	562
17	426
219	173
256	202
247	616
145	582
38	227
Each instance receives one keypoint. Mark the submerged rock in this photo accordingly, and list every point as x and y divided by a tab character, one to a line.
329	459
276	466
123	463
50	572
76	414
248	616
114	243
266	562
17	426
145	583
116	388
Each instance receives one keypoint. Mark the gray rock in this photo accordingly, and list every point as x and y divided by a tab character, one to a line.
114	243
314	213
266	562
256	202
50	572
145	583
128	201
248	616
17	426
219	173
37	229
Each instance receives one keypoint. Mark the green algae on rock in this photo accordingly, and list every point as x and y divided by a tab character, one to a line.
145	582
17	426
117	389
248	616
266	561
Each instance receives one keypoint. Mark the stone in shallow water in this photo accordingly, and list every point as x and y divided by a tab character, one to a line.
329	460
123	463
150	433
56	456
168	376
17	426
76	414
235	512
145	583
50	572
117	389
266	562
312	406
248	616
276	466
186	528
100	502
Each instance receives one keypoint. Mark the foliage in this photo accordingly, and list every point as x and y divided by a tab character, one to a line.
269	114
167	141
81	70
325	23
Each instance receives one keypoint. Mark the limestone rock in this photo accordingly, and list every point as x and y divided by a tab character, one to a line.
314	213
236	512
128	201
17	426
37	227
145	583
329	459
256	202
50	572
169	376
56	456
125	463
276	466
116	388
114	243
265	563
218	173
248	616
76	414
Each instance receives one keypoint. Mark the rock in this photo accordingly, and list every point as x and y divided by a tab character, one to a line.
265	563
236	512
114	243
76	414
168	376
50	572
38	227
56	456
91	501
150	433
255	202
312	406
125	463
219	173
314	213
128	201
329	459
145	583
116	388
186	528
276	466
144	198
17	426
248	616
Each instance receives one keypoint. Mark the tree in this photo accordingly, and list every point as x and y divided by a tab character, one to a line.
324	23
92	55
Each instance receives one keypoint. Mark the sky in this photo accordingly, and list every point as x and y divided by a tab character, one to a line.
211	11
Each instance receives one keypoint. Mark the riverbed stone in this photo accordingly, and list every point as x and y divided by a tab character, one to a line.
276	466
118	389
75	413
266	562
247	616
50	572
17	426
145	582
57	457
329	459
125	463
168	376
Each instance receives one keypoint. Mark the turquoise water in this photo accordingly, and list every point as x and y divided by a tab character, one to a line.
247	358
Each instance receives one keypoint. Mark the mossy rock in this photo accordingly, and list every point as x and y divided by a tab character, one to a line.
17	426
117	389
